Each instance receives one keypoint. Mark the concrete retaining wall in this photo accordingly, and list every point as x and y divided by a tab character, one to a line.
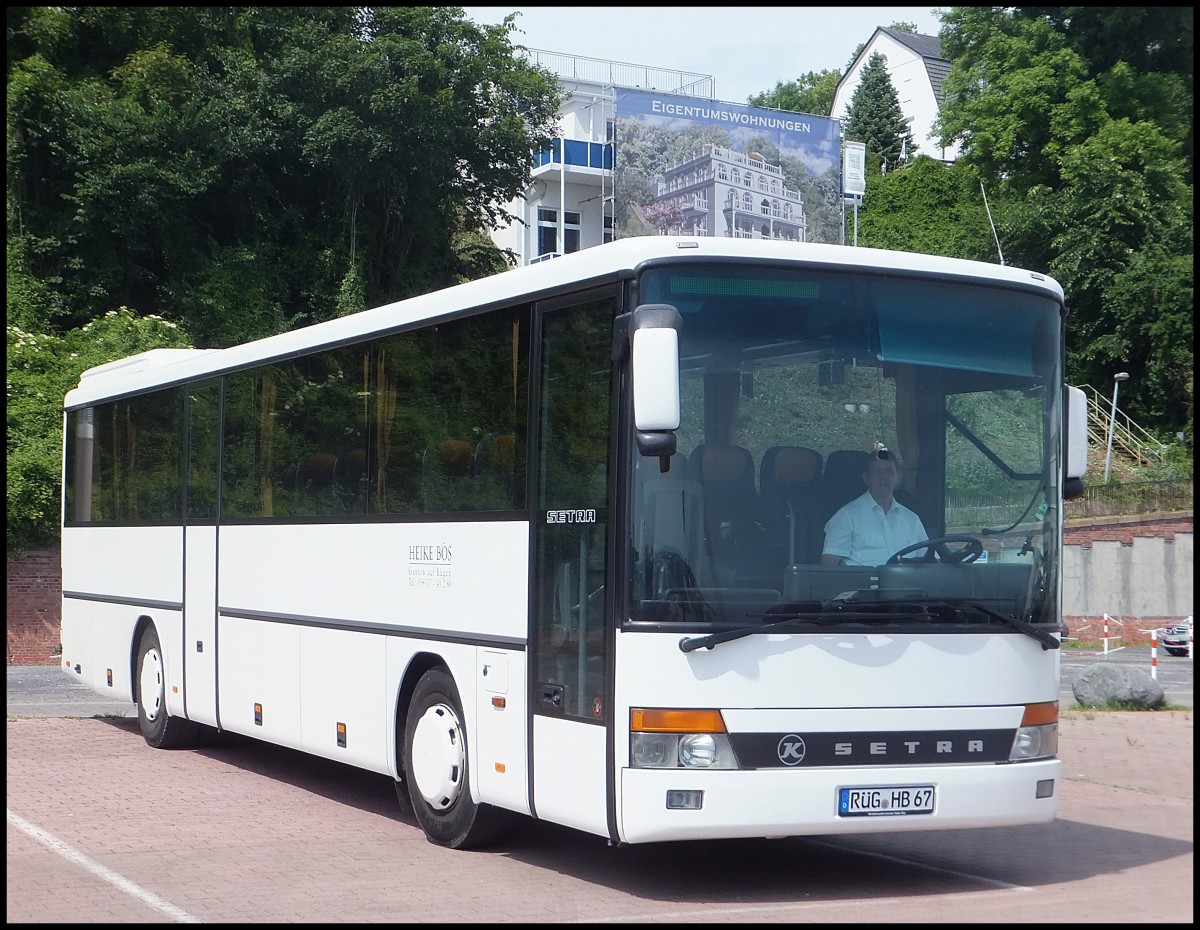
1138	570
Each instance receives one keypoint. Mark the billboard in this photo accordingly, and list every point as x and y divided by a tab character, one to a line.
687	166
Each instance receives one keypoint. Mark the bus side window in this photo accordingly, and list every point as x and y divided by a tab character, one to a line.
446	475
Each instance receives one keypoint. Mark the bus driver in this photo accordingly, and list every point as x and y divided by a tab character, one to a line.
868	530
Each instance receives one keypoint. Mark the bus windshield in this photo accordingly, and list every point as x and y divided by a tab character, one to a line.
831	422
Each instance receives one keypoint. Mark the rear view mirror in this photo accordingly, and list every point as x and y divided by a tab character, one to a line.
654	353
1075	439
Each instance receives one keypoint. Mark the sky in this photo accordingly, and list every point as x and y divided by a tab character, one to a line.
747	50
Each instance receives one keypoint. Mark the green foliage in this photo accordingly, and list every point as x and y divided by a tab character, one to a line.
926	206
227	167
244	170
811	93
31	302
875	118
41	369
1079	120
352	295
1176	463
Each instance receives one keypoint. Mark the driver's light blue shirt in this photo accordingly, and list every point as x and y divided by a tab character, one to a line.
864	535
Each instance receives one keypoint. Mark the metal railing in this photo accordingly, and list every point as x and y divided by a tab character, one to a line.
623	74
1133	497
1127	438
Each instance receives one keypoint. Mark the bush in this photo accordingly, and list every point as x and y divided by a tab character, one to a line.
42	368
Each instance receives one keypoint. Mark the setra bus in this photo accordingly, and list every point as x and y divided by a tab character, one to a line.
549	543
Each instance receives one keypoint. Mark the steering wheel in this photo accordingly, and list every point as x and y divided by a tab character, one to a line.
943	548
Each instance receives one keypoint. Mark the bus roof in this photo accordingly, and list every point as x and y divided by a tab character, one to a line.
614	260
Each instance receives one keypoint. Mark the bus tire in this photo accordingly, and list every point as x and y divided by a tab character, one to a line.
160	729
436	769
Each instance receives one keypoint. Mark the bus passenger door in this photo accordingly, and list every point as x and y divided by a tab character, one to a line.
200	555
570	641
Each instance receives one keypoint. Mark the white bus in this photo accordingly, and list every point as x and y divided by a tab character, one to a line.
548	543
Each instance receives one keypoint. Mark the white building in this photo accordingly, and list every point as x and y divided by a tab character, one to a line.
916	68
720	192
569	203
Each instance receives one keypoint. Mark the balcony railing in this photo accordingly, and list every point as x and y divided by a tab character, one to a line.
576	152
624	74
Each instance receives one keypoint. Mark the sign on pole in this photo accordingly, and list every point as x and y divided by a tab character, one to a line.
854	177
854	169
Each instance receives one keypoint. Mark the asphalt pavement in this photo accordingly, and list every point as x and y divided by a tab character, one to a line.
48	691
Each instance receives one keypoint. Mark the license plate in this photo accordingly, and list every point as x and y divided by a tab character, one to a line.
888	801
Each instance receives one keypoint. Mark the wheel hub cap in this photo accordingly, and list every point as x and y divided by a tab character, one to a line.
438	757
151	690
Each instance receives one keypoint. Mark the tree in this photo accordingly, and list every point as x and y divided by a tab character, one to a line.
41	370
1079	121
232	172
811	93
246	170
663	215
876	119
928	207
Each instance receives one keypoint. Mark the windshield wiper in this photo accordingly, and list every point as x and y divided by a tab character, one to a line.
1046	639
919	611
692	643
831	616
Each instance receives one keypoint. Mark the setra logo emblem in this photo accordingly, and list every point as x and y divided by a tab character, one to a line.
791	749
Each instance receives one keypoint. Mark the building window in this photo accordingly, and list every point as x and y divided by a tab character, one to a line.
548	232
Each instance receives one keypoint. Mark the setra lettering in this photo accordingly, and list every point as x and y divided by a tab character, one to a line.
570	516
908	747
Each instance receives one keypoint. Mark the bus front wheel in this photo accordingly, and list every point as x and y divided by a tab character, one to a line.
435	768
160	729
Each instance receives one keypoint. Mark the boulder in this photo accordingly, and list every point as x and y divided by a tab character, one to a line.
1103	683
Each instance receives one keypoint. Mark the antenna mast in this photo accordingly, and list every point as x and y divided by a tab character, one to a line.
993	225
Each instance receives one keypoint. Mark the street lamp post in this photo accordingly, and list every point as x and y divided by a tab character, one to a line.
1112	420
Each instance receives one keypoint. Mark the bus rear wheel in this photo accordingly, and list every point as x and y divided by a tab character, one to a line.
160	729
436	772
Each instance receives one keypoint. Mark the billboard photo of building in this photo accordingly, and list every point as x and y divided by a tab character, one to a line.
688	166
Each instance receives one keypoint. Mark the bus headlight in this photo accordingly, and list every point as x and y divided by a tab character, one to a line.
698	750
1034	743
689	739
1037	736
653	750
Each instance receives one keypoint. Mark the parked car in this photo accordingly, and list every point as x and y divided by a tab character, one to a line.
1175	639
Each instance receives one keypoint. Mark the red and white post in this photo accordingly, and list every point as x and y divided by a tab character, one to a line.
1154	654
